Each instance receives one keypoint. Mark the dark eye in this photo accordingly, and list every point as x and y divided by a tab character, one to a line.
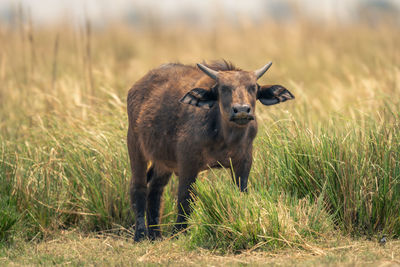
252	88
226	89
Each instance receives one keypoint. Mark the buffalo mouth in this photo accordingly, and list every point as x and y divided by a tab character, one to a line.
241	118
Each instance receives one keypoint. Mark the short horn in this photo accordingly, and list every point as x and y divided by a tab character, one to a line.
212	73
260	72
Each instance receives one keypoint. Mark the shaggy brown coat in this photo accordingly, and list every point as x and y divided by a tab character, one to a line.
186	119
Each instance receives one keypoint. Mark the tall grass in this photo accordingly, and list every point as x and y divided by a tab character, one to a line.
325	163
306	185
224	218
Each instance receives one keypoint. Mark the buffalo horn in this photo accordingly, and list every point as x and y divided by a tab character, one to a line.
260	72
212	73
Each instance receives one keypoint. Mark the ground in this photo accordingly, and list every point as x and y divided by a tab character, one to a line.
71	248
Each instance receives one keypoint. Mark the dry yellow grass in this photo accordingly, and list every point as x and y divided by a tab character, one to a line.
331	69
70	248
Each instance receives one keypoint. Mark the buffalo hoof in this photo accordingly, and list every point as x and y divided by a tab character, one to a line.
140	234
154	235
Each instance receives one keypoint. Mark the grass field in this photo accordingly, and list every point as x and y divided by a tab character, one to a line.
70	248
326	169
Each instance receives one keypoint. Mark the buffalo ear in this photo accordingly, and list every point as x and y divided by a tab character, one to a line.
200	97
273	94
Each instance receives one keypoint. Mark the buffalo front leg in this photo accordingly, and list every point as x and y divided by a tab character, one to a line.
156	182
186	181
241	171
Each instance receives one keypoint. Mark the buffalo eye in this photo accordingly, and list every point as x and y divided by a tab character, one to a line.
226	89
252	88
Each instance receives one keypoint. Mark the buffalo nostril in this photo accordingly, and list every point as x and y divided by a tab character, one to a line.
241	109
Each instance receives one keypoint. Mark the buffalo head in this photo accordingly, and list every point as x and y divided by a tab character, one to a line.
236	92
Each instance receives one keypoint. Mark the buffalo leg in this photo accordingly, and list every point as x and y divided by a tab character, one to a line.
138	187
156	183
241	173
184	198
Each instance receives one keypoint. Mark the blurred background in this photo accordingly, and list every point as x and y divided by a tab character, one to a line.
202	13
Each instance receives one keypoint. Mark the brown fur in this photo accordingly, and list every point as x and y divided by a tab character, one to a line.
185	139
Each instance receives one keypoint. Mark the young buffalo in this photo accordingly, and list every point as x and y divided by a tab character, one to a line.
186	119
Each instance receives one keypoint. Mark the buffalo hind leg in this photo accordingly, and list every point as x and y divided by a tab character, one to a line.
138	193
156	182
138	187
